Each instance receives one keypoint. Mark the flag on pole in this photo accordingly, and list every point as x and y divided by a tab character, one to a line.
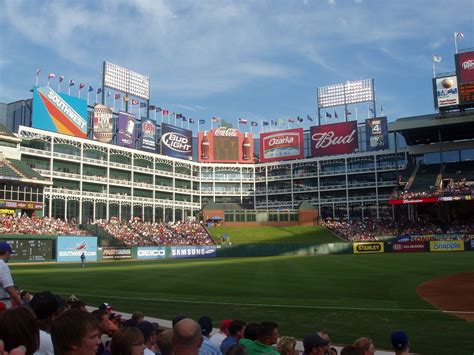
216	119
437	59
90	89
335	115
81	86
202	121
243	121
134	102
191	120
459	35
299	119
38	71
51	75
117	96
290	120
308	117
265	123
166	112
281	122
61	78
99	91
348	112
328	115
142	104
71	82
152	107
253	123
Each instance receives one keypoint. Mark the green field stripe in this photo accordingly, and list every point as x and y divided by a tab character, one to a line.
262	305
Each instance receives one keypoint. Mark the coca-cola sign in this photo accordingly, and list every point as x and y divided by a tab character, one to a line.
465	67
282	145
225	132
336	138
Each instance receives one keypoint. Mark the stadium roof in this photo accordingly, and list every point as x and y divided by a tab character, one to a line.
425	129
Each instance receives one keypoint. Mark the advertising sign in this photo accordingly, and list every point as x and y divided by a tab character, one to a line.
446	91
103	124
116	253
336	138
368	248
376	133
59	113
408	247
148	135
21	204
282	145
126	129
151	253
71	248
176	142
466	93
414	200
28	249
193	251
225	145
447	245
465	67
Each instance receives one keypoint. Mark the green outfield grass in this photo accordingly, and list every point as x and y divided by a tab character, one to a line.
347	295
258	235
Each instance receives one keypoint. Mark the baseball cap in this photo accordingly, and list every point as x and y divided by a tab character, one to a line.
399	340
6	247
206	325
225	324
313	340
146	328
106	306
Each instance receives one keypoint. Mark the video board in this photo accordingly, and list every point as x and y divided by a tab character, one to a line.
333	139
465	77
282	145
26	249
59	113
126	129
176	142
225	145
376	133
148	137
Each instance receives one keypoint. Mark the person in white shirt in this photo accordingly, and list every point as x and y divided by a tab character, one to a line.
8	294
223	333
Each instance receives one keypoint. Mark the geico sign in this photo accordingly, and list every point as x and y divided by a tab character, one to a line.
151	252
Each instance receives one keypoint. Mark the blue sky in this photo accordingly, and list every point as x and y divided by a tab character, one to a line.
259	60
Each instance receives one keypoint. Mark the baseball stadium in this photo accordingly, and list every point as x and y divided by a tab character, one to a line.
352	228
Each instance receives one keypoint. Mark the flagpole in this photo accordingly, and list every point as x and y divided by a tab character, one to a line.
455	43
357	116
434	69
161	116
38	71
114	104
198	124
59	86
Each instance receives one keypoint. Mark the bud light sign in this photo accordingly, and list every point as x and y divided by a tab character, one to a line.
71	248
332	139
176	142
282	145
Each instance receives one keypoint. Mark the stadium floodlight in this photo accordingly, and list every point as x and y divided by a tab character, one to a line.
127	81
350	92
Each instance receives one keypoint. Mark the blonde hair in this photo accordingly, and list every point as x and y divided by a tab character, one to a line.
286	345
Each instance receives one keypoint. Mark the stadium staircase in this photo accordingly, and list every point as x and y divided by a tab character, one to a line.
459	170
425	178
104	238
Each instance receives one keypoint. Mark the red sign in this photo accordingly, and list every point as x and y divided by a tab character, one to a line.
408	247
225	145
414	200
465	67
282	145
336	138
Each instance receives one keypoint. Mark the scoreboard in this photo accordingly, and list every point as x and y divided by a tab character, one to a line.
226	148
31	249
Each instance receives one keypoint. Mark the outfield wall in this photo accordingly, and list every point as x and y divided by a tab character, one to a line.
70	248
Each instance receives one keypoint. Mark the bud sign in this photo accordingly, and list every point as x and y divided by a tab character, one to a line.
332	139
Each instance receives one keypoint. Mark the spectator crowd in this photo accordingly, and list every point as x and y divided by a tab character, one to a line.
48	324
10	224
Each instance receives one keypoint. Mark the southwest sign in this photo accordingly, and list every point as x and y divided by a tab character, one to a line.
59	113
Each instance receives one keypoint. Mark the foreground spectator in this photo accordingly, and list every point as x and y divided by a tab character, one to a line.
187	338
314	344
250	334
400	343
8	294
223	333
365	346
165	342
149	337
267	336
286	345
236	332
127	341
207	347
18	327
75	332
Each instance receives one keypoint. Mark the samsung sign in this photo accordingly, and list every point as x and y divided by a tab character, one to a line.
195	251
176	142
151	253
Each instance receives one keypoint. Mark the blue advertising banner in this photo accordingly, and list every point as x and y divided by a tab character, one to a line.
148	135
193	251
126	130
71	248
176	142
151	253
376	133
59	113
